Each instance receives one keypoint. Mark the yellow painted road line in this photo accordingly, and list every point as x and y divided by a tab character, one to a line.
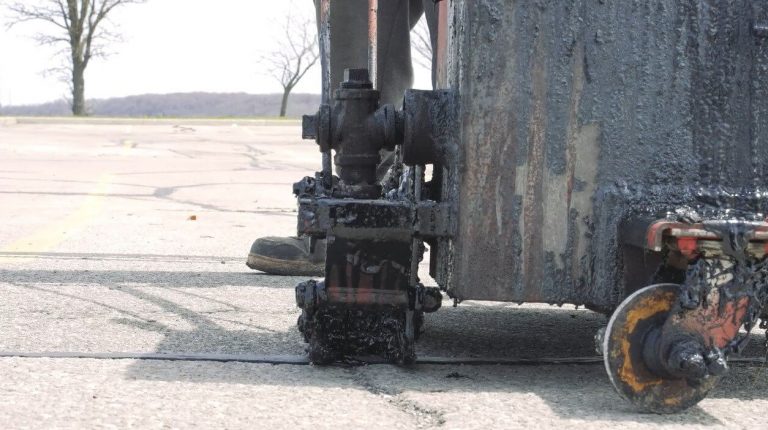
52	235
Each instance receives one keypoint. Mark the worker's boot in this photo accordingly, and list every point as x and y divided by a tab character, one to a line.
287	256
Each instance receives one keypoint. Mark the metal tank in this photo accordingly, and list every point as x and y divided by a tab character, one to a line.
599	153
576	116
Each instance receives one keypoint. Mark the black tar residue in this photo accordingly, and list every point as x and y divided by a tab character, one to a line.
673	94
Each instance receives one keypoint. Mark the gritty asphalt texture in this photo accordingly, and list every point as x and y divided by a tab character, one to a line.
132	237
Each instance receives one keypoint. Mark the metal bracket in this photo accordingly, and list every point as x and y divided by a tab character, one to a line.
651	235
374	219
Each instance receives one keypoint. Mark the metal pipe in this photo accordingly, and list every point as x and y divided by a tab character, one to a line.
373	42
417	243
325	49
418	182
325	62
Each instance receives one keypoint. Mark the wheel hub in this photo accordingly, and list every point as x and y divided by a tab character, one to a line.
635	365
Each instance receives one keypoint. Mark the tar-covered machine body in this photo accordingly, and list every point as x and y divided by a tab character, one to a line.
606	154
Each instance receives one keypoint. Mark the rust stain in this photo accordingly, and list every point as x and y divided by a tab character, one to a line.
716	326
533	201
577	89
442	45
647	308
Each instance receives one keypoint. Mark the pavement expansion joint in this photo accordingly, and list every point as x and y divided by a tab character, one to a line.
302	360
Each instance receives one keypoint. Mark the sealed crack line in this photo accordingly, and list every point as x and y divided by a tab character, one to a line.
300	360
151	356
424	417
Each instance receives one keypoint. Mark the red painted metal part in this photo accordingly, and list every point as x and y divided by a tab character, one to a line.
692	232
687	246
367	297
368	273
714	325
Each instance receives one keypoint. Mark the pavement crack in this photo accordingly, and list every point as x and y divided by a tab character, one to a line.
424	417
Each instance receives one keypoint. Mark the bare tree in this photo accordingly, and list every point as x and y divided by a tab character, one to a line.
76	25
421	44
295	55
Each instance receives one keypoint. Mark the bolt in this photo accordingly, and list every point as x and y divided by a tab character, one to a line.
357	79
687	361
309	127
301	292
716	362
432	299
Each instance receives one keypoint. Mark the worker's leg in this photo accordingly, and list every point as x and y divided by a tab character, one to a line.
349	47
430	8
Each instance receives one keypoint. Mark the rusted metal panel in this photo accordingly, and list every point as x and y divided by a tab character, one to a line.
576	115
367	272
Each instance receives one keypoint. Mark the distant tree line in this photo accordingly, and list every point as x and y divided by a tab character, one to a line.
179	105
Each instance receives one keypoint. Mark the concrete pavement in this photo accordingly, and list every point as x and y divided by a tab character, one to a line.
131	237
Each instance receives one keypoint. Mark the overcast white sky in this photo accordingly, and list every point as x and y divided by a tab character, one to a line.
169	46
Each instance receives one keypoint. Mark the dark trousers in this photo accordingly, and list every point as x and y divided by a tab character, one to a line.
349	45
